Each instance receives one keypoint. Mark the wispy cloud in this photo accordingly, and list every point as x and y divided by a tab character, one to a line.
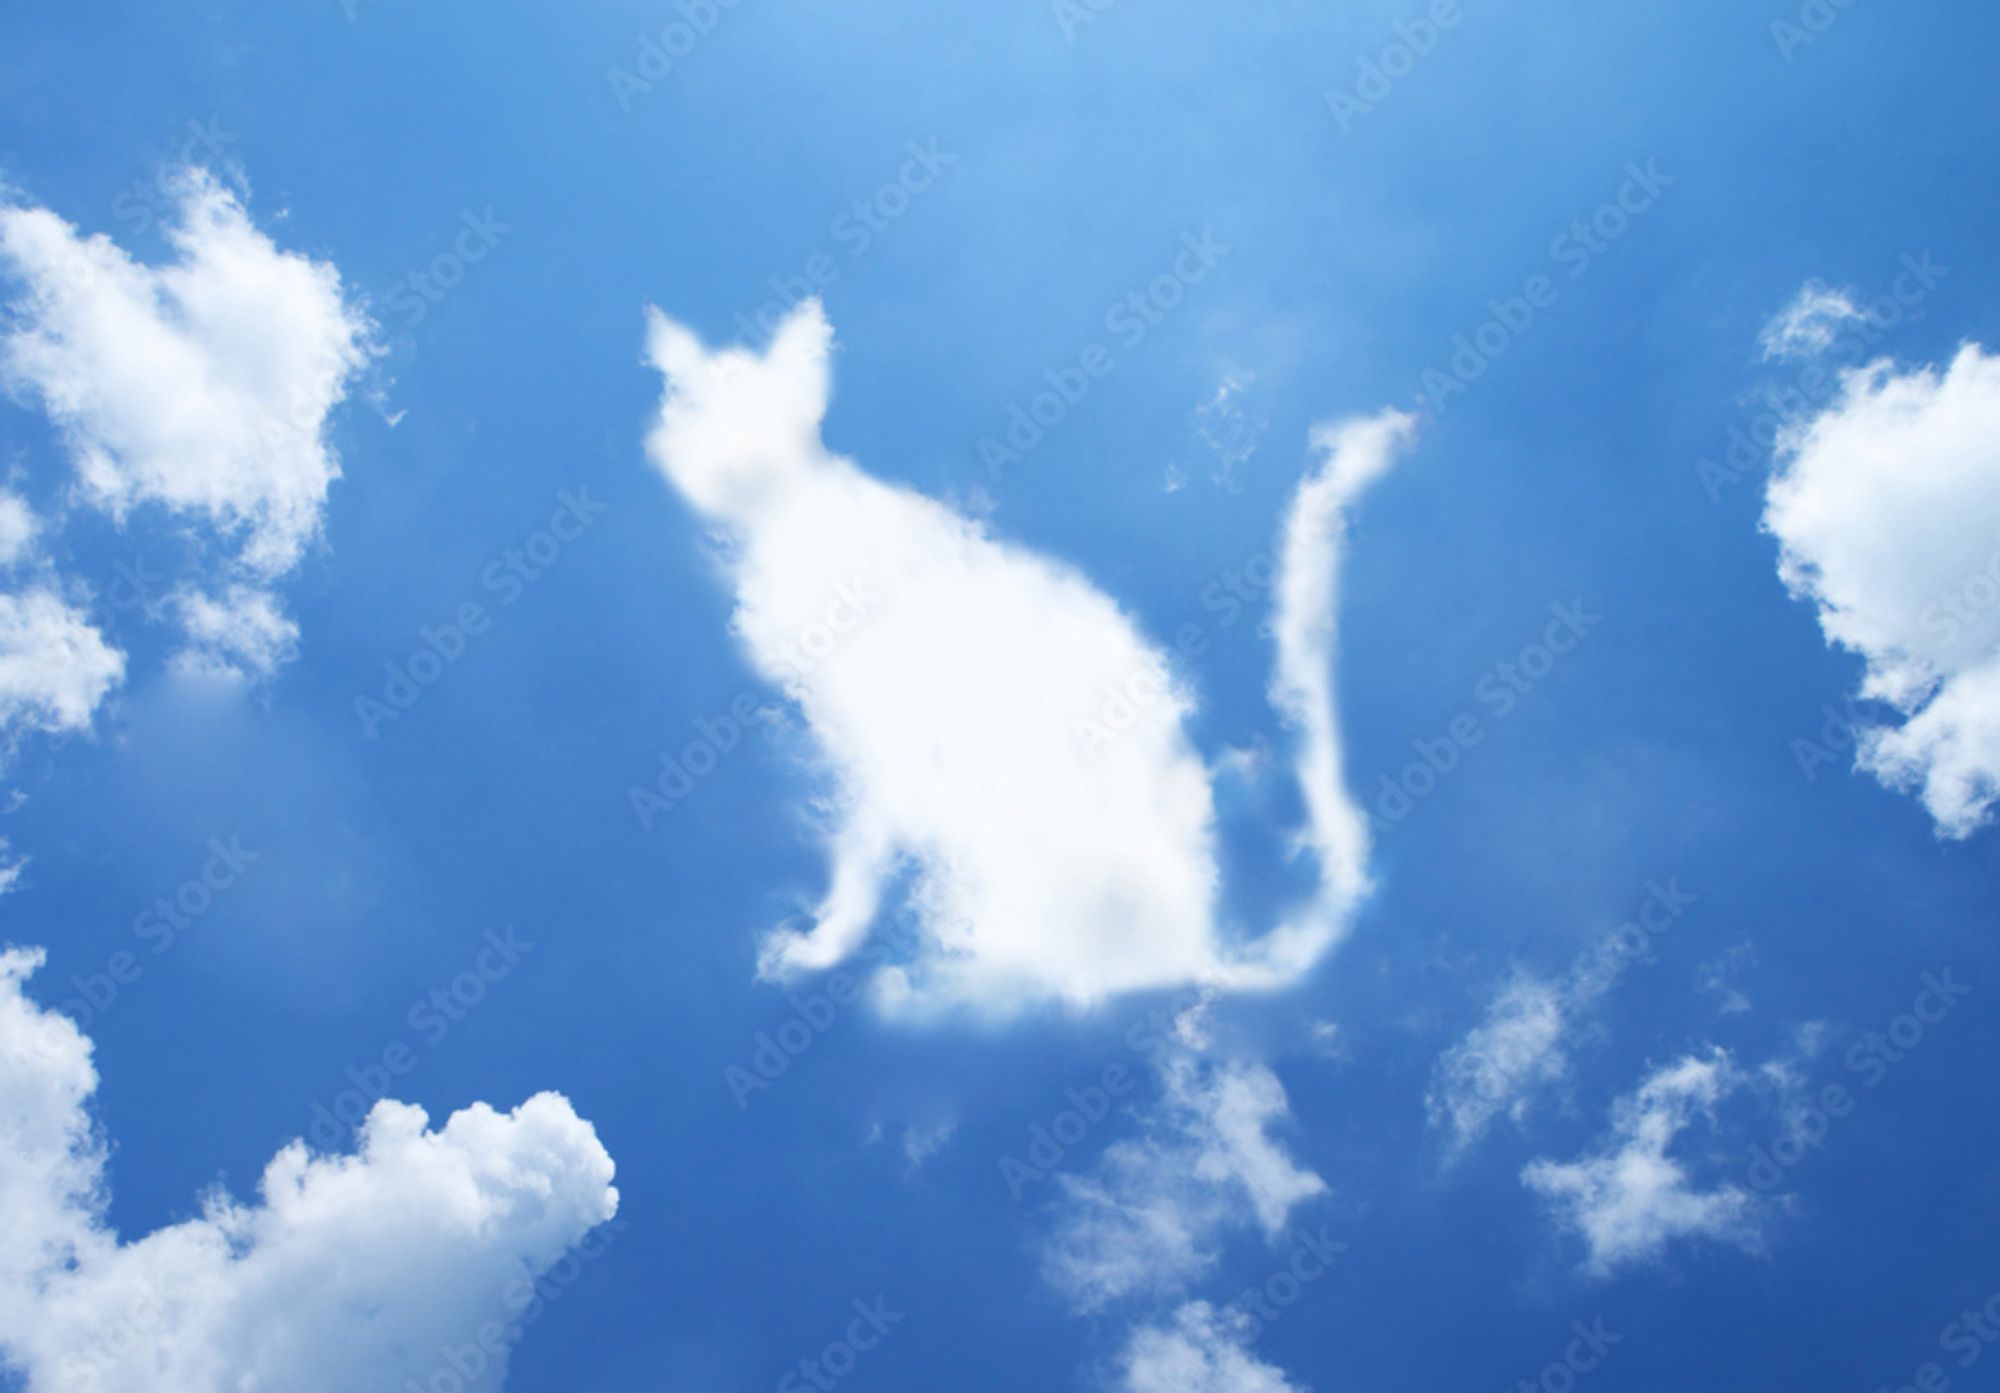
1522	1045
1629	1199
1148	1219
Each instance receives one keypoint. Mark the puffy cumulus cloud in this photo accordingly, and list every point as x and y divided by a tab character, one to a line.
362	1272
1150	1218
201	386
1886	508
990	722
1630	1199
55	667
1198	1350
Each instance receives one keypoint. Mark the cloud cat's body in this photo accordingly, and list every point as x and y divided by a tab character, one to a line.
958	687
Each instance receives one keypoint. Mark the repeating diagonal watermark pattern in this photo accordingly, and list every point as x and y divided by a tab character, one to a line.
1810	1117
854	231
1573	251
430	1019
160	926
416	293
1378	75
505	579
1749	444
1127	323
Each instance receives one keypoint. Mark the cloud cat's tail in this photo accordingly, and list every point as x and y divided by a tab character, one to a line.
1354	453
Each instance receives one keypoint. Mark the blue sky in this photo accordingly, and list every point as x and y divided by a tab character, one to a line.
975	192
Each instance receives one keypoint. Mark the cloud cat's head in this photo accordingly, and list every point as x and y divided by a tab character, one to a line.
737	428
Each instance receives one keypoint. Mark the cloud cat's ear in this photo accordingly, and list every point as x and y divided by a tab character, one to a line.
674	349
799	356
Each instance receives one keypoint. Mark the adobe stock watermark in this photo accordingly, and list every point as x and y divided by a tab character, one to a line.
1416	39
715	737
417	292
144	202
1228	596
1631	941
137	587
1869	1060
840	1356
1127	321
1050	1140
1499	690
522	1302
1814	20
659	53
1748	446
1963	605
854	231
110	1340
1074	15
1840	731
814	1011
1479	1077
1574	250
1582	1355
430	1018
506	578
159	925
1965	1338
1265	1304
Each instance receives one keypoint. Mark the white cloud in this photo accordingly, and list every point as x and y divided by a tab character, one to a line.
1810	324
1886	507
1717	977
1149	1219
1198	1350
201	386
359	1273
54	666
18	529
1354	454
1328	1040
1630	1199
1522	1045
1228	430
963	690
243	631
1502	1062
923	1141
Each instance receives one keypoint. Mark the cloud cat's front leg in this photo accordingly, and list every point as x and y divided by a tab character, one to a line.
863	850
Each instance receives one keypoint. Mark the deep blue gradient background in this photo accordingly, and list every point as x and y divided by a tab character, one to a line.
1662	747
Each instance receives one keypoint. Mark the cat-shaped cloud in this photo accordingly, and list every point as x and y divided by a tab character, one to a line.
953	682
